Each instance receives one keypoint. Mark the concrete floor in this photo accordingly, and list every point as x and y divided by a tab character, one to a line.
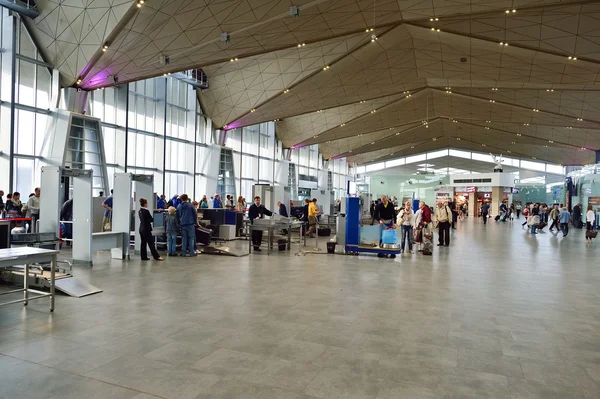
498	314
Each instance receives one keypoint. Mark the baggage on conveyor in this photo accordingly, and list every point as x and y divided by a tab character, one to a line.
203	235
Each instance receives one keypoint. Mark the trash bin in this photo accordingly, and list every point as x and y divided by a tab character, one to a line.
331	247
282	244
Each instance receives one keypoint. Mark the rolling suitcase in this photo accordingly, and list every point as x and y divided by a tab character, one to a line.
497	218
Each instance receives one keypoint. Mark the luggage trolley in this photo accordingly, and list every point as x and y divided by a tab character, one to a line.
388	246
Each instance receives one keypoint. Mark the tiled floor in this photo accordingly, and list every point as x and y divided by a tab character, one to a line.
498	314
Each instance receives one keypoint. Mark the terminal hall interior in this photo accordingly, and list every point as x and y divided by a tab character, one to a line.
353	199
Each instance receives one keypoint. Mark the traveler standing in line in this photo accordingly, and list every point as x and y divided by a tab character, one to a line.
160	202
443	216
229	202
282	209
204	202
406	220
564	218
107	219
217	204
485	210
145	231
241	204
554	217
188	218
257	211
33	207
172	228
590	218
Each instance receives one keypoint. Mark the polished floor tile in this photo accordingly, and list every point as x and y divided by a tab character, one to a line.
498	314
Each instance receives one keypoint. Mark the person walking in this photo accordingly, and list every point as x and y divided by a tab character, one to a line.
534	220
443	216
145	231
406	221
485	210
518	209
257	211
107	219
172	228
564	218
577	216
590	218
554	218
525	215
188	219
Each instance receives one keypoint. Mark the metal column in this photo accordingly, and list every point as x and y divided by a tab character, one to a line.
50	203
144	188
82	214
122	207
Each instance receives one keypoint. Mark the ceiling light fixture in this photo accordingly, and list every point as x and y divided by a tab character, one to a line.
398	134
483	145
372	142
252	110
549	89
550	141
79	81
369	30
569	127
514	142
525	124
343	124
412	146
536	110
519	134
494	89
572	58
286	91
492	101
487	128
509	151
458	138
140	3
579	120
503	44
301	44
326	68
105	48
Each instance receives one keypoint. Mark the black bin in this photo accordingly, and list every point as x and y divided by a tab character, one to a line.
282	244
331	247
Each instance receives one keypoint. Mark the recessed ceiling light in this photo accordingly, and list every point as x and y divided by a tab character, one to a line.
492	101
343	124
412	146
487	128
373	142
514	10
569	127
514	142
525	124
252	110
286	91
579	120
494	89
326	67
458	138
550	141
483	145
78	81
503	44
398	134
509	151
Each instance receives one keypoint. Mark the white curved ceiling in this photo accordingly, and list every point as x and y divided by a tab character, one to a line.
477	74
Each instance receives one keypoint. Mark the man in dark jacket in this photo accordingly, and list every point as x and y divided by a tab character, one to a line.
257	211
282	209
188	219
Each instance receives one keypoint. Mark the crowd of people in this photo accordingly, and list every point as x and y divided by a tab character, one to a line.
13	207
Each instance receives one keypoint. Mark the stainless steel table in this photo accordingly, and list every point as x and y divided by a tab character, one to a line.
27	256
269	225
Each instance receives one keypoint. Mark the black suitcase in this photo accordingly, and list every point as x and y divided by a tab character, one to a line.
497	218
578	224
324	232
203	235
